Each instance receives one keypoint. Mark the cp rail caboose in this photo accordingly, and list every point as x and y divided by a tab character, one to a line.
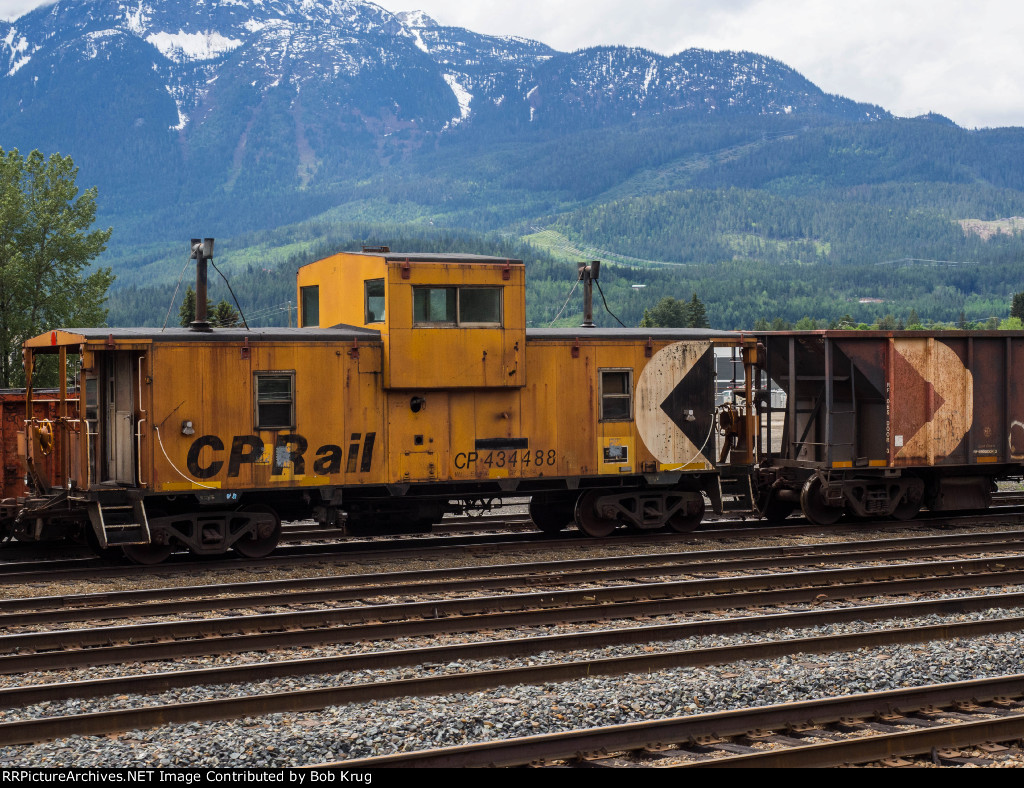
882	424
410	388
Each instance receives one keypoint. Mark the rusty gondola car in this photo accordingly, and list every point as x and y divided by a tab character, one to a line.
410	388
884	423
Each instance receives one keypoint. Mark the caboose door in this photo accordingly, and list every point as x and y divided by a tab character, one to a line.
119	412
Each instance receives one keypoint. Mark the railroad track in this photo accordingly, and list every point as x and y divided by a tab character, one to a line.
487	633
70	569
61	650
933	722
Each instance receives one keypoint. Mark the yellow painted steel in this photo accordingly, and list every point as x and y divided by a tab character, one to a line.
422	403
424	355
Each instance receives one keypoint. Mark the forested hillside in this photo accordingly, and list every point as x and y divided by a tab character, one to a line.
288	131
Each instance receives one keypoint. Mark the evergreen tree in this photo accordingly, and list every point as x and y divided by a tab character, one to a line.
187	313
45	249
224	315
1017	307
696	314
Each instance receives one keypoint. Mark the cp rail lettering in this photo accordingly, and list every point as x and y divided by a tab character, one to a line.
506	459
289	449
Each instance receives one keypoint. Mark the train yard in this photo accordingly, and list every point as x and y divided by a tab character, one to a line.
653	652
650	602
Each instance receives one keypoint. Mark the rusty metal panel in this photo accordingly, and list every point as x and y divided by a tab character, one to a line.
12	429
987	438
419	436
931	401
488	439
204	417
1015	392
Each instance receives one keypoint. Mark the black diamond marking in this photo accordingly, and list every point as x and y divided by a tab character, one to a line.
693	394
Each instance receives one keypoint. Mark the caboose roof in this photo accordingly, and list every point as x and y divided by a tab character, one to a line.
626	334
78	336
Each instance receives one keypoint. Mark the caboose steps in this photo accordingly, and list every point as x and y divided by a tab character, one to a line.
117	525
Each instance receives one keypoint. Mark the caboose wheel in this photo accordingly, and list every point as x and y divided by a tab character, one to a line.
552	514
683	522
259	547
147	554
812	501
589	521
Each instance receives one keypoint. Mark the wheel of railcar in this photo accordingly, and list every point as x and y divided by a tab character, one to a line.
589	521
683	523
261	546
812	502
771	508
551	514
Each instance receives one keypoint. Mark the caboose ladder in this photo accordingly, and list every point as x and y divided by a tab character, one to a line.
117	525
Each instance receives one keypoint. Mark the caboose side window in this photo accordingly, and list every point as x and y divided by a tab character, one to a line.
616	394
456	306
374	290
434	304
480	306
275	400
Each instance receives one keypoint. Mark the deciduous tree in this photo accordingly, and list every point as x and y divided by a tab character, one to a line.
46	248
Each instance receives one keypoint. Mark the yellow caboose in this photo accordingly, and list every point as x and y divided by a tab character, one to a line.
411	387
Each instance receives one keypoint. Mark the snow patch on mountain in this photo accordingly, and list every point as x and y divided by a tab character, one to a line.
18	50
181	46
136	19
463	96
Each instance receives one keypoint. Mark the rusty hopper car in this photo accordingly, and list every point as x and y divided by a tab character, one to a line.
879	423
412	387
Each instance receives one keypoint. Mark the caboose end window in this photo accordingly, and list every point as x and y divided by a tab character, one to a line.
275	400
616	394
374	301
310	315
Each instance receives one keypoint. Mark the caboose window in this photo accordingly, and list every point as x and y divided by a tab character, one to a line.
616	394
310	305
480	305
275	400
457	306
434	304
374	289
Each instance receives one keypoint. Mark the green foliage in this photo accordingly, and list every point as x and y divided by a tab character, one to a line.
45	251
771	220
1017	306
222	315
672	313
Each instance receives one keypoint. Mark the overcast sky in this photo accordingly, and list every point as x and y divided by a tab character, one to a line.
960	58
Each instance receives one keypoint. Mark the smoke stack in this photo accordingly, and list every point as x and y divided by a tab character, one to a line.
201	252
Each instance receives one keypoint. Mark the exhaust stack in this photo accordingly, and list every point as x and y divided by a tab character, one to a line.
201	252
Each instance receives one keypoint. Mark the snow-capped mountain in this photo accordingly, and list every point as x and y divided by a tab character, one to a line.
185	48
156	99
